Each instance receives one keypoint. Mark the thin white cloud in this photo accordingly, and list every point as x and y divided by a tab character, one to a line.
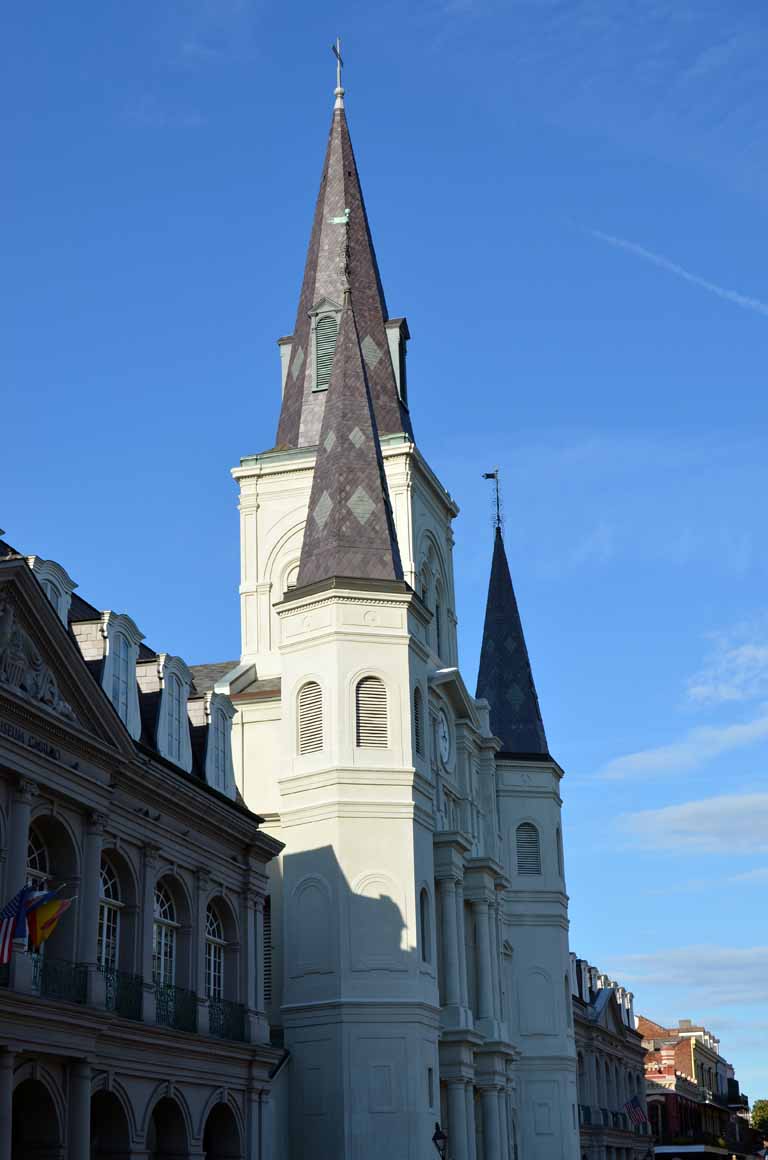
694	749
737	668
712	975
663	263
726	824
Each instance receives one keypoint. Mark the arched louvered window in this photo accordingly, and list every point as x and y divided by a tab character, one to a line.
310	718
528	849
418	722
371	714
325	345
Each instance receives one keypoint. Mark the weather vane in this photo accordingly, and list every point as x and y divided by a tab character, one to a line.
494	475
339	94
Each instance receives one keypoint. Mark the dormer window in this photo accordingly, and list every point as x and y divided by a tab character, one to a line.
53	594
173	737
56	584
219	770
119	672
120	669
325	328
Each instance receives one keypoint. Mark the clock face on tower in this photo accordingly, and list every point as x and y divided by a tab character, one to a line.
444	737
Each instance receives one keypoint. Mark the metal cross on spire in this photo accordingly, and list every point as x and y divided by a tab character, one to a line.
339	93
494	475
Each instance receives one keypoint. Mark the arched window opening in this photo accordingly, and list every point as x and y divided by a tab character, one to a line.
310	714
120	676
53	594
267	949
173	692
425	929
325	346
371	714
38	866
559	852
164	937
418	722
528	849
110	905
214	954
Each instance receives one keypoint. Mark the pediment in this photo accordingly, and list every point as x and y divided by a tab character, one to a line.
41	669
325	304
452	684
608	1014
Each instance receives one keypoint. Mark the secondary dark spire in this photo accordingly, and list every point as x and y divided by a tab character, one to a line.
340	198
505	679
349	531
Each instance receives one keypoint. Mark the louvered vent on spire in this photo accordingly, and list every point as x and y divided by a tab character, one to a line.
349	531
338	255
505	679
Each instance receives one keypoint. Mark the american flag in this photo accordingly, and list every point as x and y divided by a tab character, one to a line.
634	1110
13	914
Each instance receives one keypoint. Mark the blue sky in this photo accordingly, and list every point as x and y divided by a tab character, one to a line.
569	202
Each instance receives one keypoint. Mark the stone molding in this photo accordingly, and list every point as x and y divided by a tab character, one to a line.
22	669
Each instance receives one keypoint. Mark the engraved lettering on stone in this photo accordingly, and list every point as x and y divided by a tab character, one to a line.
298	363
330	441
322	510
371	352
357	437
361	505
22	668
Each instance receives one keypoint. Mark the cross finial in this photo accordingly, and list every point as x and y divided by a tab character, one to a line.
494	475
339	93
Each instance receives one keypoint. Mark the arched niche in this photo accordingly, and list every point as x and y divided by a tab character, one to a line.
537	1003
311	926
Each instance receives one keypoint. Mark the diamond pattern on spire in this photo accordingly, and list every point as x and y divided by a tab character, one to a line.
357	437
361	505
298	363
323	510
329	441
371	352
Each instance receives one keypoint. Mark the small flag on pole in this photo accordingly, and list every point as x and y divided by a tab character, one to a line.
634	1110
43	919
12	916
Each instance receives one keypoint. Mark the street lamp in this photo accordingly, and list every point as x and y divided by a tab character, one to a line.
440	1140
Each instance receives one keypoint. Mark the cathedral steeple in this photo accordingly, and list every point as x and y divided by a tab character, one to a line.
505	679
349	531
340	235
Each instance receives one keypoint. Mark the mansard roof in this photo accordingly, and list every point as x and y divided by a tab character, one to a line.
340	255
350	530
505	679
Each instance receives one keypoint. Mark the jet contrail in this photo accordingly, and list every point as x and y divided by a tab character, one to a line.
665	264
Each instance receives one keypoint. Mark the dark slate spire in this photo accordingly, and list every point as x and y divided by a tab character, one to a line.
349	531
505	679
324	281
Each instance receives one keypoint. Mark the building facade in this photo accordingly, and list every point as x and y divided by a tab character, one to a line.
610	1058
420	965
694	1103
140	1029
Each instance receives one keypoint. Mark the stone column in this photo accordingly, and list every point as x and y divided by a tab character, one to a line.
88	905
151	854
447	888
469	1094
458	1139
198	982
489	1098
461	942
485	1003
252	960
495	958
18	837
80	1110
7	1061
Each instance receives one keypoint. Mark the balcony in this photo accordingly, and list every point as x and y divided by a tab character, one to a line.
123	992
57	979
226	1020
175	1007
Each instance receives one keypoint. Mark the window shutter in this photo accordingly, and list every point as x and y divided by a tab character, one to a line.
371	705
267	950
418	723
325	345
528	849
310	718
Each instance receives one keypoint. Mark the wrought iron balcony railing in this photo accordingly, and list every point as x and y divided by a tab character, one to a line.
57	979
124	992
585	1114
226	1019
175	1007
